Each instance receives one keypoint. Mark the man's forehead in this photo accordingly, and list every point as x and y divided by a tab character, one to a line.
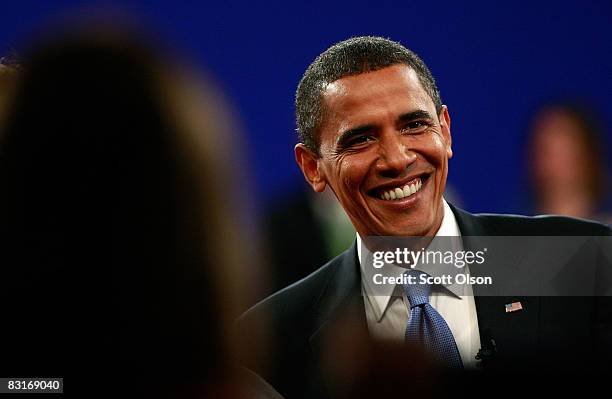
397	70
383	87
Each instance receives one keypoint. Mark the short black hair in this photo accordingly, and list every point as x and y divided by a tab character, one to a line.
351	57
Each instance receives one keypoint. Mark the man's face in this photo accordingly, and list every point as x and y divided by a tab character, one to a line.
384	152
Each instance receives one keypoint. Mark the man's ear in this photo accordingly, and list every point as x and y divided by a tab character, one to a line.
445	123
309	163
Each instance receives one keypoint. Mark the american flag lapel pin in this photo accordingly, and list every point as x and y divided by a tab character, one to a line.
513	307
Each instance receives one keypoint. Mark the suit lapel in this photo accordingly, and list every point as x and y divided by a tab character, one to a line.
502	333
340	298
340	313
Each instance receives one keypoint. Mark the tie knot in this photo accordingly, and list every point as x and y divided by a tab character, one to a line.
416	289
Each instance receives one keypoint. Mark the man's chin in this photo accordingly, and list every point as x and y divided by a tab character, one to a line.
411	230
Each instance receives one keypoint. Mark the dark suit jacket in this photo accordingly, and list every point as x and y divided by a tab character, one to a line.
550	332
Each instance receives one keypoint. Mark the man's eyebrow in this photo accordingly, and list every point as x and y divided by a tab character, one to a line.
359	130
418	114
352	132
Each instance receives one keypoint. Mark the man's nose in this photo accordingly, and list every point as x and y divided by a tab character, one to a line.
394	156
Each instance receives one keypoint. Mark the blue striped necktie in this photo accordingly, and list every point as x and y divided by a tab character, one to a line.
426	327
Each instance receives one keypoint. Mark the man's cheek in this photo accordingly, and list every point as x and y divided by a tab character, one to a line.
347	165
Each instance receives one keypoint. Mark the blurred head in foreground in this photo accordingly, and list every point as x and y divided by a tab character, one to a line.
8	75
118	242
566	162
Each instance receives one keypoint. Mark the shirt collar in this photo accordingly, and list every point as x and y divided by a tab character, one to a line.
380	297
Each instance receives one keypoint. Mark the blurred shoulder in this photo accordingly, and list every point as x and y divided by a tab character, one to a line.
276	331
295	301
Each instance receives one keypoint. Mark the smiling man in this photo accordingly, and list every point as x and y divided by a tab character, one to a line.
373	129
383	149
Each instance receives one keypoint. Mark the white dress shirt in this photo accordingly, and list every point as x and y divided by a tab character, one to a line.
387	312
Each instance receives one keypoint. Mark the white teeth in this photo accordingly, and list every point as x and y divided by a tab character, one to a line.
407	191
402	192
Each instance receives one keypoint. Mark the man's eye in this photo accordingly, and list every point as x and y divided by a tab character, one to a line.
365	138
415	126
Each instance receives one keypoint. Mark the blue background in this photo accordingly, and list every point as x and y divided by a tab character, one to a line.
494	63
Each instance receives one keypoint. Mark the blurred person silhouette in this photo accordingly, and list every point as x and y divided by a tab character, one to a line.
8	72
121	238
566	162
